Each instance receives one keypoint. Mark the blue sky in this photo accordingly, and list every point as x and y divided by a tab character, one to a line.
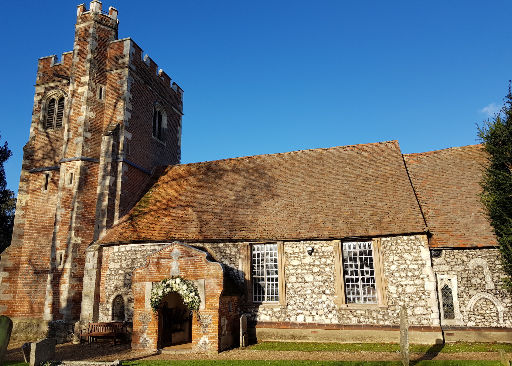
272	76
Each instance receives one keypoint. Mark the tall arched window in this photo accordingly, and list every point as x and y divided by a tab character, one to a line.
54	112
118	309
447	297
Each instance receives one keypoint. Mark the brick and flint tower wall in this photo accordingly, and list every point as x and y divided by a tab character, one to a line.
84	172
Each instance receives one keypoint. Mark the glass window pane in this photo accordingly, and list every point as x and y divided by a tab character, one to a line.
359	273
265	272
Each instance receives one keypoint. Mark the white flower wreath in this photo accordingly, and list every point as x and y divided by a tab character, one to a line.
185	288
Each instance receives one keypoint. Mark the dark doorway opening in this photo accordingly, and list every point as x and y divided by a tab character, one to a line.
175	321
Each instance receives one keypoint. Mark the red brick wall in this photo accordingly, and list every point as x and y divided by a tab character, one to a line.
67	218
193	265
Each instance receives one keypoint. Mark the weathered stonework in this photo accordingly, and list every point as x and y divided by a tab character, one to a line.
310	282
311	291
481	299
80	176
218	314
116	276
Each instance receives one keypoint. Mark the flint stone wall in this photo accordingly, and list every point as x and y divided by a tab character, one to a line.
310	282
311	289
116	278
482	301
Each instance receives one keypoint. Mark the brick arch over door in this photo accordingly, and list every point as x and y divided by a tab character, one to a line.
192	264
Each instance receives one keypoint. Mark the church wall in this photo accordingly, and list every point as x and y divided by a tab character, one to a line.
312	308
191	264
474	278
312	290
117	269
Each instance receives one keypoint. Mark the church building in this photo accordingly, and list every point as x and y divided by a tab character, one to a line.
326	244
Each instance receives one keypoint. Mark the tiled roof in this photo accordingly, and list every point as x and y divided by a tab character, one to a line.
359	190
447	183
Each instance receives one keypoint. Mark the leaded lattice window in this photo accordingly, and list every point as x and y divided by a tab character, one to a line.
447	297
359	273
265	276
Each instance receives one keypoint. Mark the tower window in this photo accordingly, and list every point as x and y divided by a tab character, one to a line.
157	123
46	181
60	259
101	93
54	113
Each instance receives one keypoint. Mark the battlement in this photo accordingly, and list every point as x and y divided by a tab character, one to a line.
150	65
53	60
95	7
50	68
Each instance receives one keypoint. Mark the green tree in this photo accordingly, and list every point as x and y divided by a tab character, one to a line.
496	135
7	202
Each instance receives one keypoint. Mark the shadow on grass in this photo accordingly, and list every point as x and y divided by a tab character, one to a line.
75	352
429	354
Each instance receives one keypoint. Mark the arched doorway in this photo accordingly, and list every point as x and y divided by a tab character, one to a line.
174	321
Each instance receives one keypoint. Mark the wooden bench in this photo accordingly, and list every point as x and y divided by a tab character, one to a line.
95	331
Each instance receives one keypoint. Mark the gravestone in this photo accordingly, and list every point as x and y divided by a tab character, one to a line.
5	335
36	353
76	333
244	336
404	336
504	358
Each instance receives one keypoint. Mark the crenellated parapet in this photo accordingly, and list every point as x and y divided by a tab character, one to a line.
127	54
96	13
145	65
52	69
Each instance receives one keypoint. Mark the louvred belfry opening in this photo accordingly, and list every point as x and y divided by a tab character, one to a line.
50	114
60	113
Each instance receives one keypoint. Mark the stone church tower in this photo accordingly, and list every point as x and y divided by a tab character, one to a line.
103	119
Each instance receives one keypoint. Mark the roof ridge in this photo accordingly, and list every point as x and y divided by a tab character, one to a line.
441	150
293	152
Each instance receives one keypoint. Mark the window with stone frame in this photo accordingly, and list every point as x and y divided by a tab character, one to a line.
448	299
359	272
53	112
265	272
359	276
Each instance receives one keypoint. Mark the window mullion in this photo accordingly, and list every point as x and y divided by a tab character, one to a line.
265	294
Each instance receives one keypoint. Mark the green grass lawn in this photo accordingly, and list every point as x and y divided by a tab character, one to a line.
299	363
381	347
308	363
340	347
